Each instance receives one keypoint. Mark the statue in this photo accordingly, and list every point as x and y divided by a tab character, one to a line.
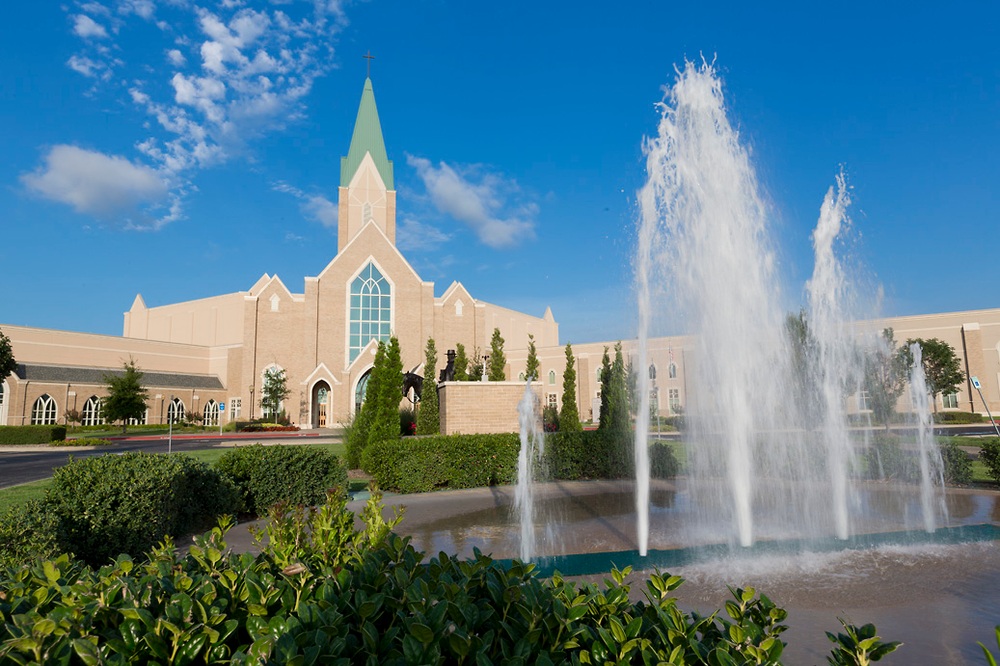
412	381
448	372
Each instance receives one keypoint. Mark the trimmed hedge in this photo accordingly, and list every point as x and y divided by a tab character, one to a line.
958	417
266	475
472	461
31	434
419	464
887	459
989	453
127	503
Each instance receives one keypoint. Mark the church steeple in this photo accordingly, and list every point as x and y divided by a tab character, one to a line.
367	191
367	138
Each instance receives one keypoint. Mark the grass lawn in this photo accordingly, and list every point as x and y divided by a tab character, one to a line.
11	497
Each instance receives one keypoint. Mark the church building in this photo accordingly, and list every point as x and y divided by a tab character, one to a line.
199	354
210	356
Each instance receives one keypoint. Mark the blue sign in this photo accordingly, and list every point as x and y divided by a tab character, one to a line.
222	406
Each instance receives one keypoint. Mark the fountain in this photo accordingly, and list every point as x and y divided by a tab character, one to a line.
772	495
532	449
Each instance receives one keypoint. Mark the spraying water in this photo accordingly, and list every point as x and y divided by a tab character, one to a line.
532	449
767	444
931	465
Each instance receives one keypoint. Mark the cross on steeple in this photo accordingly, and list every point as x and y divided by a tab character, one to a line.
369	57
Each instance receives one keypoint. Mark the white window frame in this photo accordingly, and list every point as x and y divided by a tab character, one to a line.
43	410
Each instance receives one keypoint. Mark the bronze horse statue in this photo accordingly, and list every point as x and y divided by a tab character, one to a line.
412	381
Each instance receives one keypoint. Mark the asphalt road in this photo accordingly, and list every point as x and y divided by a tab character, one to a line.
23	465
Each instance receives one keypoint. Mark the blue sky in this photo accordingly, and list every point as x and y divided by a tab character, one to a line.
182	148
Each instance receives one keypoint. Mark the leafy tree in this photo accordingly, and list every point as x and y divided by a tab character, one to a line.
7	362
475	367
569	416
126	397
531	367
274	390
942	367
461	364
387	394
497	360
428	418
884	377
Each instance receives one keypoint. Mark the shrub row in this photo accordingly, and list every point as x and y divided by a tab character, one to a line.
83	441
322	591
471	461
31	434
266	475
887	459
99	507
958	417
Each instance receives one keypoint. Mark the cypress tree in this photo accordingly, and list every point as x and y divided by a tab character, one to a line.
531	367
357	436
605	386
569	416
428	419
385	421
461	363
618	408
497	360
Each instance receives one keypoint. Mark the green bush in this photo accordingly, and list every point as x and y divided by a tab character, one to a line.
957	464
31	434
663	463
990	455
27	531
442	462
323	591
126	503
958	417
266	475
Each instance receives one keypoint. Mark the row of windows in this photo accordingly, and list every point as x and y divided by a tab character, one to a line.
43	412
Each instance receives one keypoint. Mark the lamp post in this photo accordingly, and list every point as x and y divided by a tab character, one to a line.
486	365
251	402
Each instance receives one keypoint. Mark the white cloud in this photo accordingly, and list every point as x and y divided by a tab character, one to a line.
105	186
176	58
481	205
314	206
86	27
250	75
416	236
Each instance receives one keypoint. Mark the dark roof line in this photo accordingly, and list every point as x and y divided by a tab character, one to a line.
80	375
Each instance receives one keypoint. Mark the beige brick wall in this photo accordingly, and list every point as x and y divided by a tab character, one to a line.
481	407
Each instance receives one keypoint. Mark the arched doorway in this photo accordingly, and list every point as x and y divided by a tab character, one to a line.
321	400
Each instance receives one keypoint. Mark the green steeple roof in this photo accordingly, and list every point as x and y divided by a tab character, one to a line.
367	138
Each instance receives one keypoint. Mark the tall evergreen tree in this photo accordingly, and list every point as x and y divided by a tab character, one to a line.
126	397
569	415
615	418
498	361
461	363
428	418
360	429
531	367
389	393
605	385
7	362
